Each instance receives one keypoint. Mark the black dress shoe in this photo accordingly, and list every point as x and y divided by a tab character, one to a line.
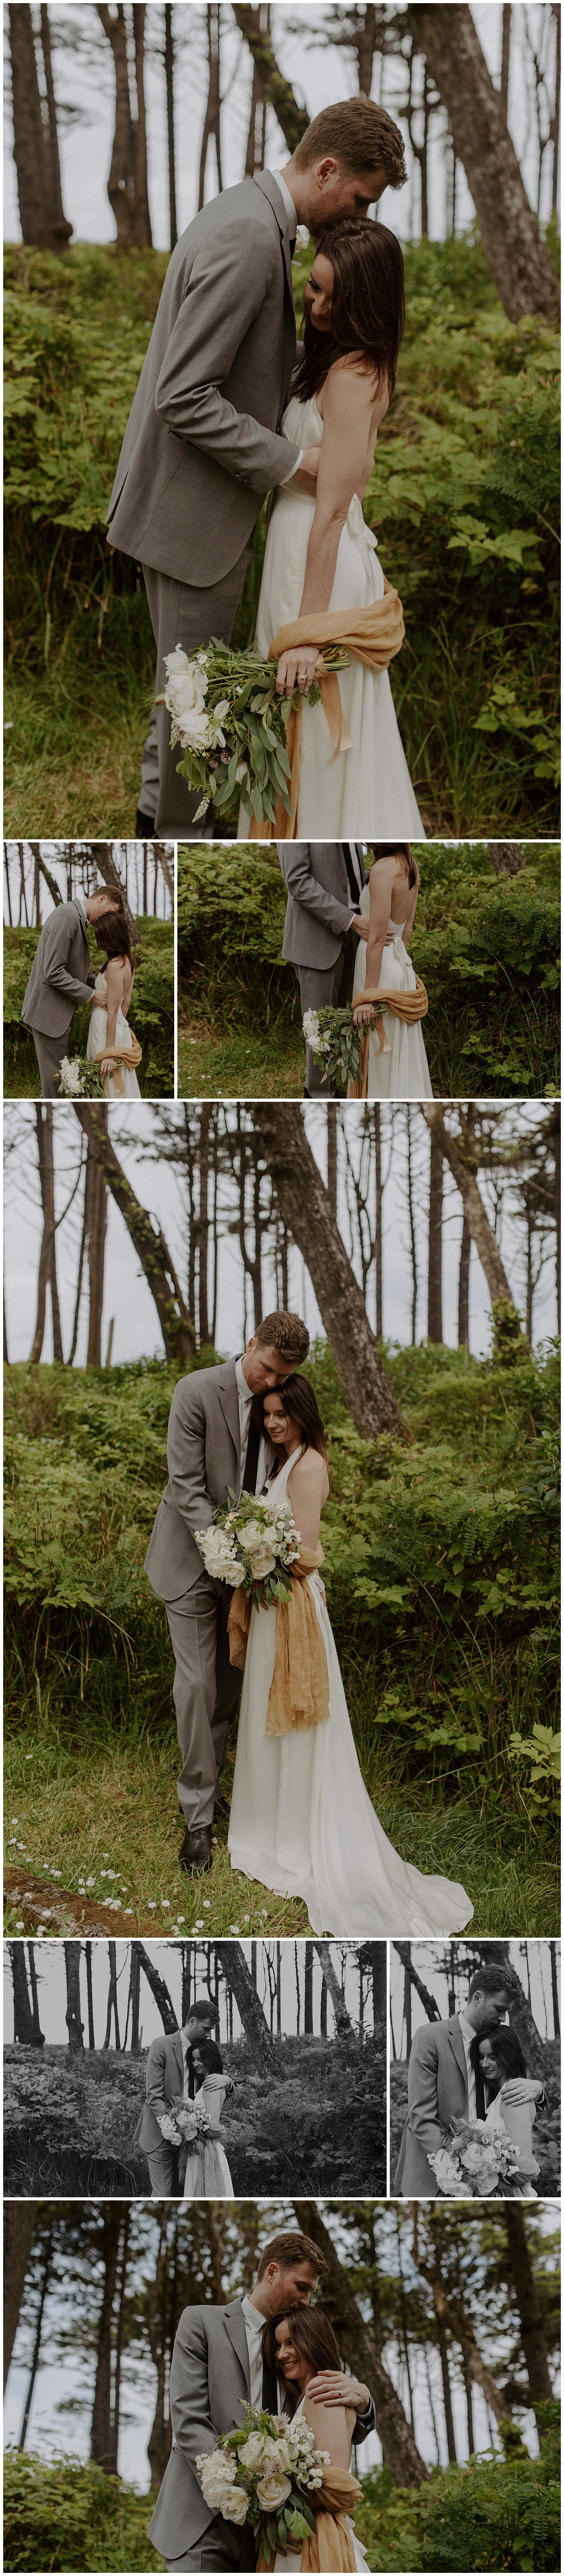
144	826
221	1807
196	1851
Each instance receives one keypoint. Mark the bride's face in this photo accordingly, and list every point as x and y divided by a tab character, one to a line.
318	295
277	1424
297	2369
488	2061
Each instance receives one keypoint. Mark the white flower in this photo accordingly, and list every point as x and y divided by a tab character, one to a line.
215	2470
310	1025
70	1075
273	2488
262	1561
185	696
221	710
258	2447
234	2505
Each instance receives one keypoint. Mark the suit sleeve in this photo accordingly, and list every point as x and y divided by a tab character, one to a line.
58	937
189	2388
155	2092
365	2424
422	2091
222	300
186	1453
301	884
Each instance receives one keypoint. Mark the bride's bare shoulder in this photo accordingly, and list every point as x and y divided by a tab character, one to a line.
310	1472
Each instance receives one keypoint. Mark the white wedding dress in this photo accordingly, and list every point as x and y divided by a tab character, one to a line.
403	1073
97	1040
289	2563
207	2174
301	1819
514	2111
368	790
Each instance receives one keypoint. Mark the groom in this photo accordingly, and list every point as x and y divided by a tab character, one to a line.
170	2079
61	977
324	881
214	1447
216	2366
203	444
442	2086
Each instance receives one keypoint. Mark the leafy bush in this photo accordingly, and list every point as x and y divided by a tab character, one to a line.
463	499
152	1007
487	948
492	2513
70	2517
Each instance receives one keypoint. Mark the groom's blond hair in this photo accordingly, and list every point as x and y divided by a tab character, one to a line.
286	1334
286	2251
362	136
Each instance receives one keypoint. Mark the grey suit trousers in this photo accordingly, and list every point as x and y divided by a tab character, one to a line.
324	985
163	2169
222	2545
50	1052
205	1692
183	615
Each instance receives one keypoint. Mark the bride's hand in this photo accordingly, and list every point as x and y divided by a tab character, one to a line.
107	1064
363	1013
299	665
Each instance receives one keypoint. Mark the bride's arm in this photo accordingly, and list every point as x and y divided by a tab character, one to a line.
114	986
307	1490
332	2428
348	414
381	881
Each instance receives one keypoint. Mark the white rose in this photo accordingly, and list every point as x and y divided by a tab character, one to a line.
283	2455
273	2489
234	2504
254	2450
70	1073
310	1025
262	1562
185	696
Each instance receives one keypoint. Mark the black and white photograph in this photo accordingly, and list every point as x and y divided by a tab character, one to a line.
475	2069
194	2069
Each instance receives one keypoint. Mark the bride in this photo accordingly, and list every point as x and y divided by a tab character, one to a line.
320	554
389	901
108	1023
300	2349
513	2103
301	1819
207	2175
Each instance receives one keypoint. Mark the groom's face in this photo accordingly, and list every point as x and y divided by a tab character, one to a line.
331	192
287	2290
195	2030
263	1367
489	2010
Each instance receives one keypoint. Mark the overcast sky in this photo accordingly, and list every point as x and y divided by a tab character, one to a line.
127	1298
85	876
320	73
428	1959
51	1978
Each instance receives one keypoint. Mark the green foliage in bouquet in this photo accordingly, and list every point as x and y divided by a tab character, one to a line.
335	1042
234	745
80	1079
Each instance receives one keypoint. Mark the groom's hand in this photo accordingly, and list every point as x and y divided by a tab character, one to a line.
333	2388
305	477
361	924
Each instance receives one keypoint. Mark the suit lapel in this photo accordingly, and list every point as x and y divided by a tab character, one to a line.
177	2052
457	2044
229	1401
235	2325
263	179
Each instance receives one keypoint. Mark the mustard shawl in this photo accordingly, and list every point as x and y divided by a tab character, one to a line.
299	1690
330	2552
404	1006
373	635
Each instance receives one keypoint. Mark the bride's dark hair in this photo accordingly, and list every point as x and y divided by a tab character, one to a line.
113	935
310	2333
396	850
367	308
508	2053
301	1406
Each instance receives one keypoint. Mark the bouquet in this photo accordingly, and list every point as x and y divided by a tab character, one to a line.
474	2162
80	1079
332	1036
252	1545
239	738
263	2475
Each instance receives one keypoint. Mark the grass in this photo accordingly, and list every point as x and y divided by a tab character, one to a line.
212	1067
114	1793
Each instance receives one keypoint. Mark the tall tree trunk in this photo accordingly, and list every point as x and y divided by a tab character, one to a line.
256	137
239	1981
308	1990
60	228
332	1161
101	2434
516	255
555	119
454	1149
358	2340
554	1984
135	1996
407	2013
47	1273
160	2436
378	1235
29	135
405	1953
75	2025
38	2035
343	2021
113	2461
204	1223
533	2336
45	2279
102	854
212	115
131	214
169	78
143	234
20	2218
464	1264
435	1290
507	857
176	1324
451	2314
157	1984
293	120
23	2016
90	2000
412	1234
305	1205
505	52
112	1999
95	1223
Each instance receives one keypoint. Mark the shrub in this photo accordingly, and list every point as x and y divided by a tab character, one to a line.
489	2513
68	2517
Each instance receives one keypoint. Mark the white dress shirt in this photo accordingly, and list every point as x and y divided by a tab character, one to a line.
245	1399
468	2034
254	2323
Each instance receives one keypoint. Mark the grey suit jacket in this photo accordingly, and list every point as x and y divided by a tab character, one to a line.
319	910
437	2092
204	1460
61	975
201	448
208	2379
164	2085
